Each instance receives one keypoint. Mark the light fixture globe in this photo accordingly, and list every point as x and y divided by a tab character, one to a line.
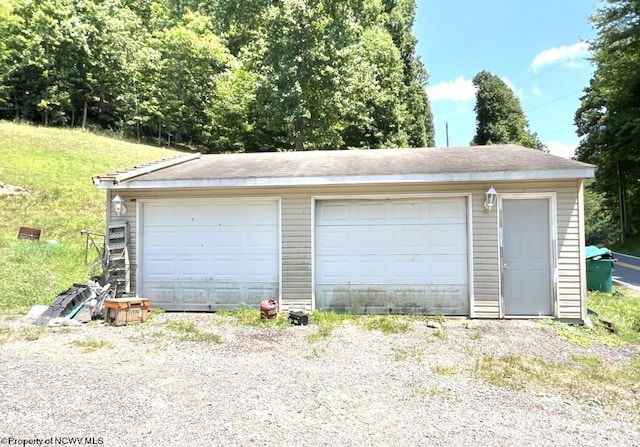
491	196
118	205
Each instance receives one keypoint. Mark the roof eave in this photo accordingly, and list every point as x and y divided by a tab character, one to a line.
491	176
112	178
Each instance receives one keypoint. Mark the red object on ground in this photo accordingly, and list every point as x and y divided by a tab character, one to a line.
268	309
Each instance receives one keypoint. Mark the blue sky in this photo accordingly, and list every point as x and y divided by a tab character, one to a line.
538	48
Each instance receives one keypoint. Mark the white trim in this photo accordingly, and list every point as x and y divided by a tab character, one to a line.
177	201
390	196
313	253
470	273
139	248
584	312
280	254
553	247
469	218
499	259
556	174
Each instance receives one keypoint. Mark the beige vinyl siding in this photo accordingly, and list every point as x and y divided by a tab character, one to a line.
297	234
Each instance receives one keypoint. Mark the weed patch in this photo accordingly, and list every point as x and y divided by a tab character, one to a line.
441	334
326	322
90	345
188	331
249	316
33	333
387	324
446	370
585	379
400	354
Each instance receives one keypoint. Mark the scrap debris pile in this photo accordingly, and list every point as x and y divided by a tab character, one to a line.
78	304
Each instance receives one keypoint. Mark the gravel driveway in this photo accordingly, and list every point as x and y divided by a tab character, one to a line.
273	387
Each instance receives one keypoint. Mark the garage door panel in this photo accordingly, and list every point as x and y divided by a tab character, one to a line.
159	269
208	255
163	296
195	268
408	254
383	299
447	211
195	296
159	239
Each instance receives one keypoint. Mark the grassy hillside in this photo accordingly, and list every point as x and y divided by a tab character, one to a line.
55	166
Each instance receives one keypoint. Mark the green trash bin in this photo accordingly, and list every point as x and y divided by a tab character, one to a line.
600	275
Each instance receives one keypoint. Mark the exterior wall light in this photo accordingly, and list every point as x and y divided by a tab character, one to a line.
490	198
118	205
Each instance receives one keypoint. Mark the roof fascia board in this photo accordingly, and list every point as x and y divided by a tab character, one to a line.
557	174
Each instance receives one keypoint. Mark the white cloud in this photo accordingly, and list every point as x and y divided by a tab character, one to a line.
552	55
561	149
459	90
536	91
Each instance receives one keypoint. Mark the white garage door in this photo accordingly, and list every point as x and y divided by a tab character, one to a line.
209	255
392	256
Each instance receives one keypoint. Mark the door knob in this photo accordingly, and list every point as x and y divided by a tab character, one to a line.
505	266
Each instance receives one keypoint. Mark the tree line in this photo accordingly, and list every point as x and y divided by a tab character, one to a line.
608	119
223	75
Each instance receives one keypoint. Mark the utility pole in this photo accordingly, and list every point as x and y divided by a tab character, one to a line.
447	131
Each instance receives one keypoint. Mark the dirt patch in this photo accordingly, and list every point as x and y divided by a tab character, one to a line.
12	190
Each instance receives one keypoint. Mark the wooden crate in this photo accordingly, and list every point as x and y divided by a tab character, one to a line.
122	311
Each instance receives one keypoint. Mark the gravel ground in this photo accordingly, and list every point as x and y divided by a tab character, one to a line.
272	387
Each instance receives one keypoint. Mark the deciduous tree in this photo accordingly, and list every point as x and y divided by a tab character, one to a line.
499	115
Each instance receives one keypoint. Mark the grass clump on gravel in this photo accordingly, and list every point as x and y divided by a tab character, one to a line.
190	332
401	354
387	324
93	344
446	370
28	333
327	321
587	379
249	316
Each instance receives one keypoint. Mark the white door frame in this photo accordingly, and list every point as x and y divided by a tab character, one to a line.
553	247
209	200
469	216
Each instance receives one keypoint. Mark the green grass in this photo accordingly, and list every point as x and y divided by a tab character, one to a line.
28	333
585	378
620	308
441	334
401	354
92	344
188	331
446	370
249	316
56	166
387	324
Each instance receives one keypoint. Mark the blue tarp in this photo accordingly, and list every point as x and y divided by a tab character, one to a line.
593	252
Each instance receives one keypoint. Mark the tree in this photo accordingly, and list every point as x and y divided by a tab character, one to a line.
417	119
608	119
222	75
499	115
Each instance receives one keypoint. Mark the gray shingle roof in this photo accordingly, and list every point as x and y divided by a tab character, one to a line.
370	163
